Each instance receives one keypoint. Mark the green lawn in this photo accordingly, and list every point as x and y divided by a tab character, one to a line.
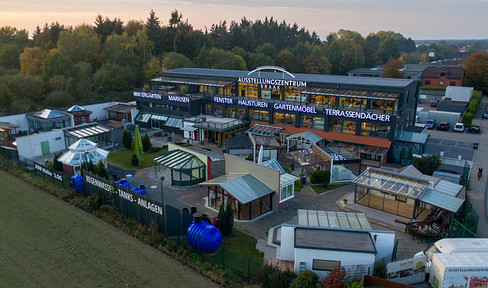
244	244
123	158
45	242
319	188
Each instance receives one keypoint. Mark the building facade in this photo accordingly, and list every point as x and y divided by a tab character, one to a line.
366	111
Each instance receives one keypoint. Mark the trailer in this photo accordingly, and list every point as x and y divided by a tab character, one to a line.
459	270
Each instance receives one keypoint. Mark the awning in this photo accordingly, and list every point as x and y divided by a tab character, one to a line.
202	82
159	117
264	130
309	135
87	130
442	200
189	128
146	117
412	137
174	122
178	160
244	187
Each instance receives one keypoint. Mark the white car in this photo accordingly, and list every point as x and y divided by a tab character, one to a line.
458	127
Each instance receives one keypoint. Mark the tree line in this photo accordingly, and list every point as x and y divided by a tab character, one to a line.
61	64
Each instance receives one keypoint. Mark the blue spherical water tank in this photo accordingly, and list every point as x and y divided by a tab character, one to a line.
204	236
77	182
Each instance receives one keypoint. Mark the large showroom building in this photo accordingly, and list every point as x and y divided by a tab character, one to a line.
222	103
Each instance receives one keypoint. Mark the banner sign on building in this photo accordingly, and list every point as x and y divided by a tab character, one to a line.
48	172
409	271
272	83
126	195
179	99
358	115
147	95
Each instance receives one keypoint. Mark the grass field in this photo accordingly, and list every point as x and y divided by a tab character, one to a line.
319	188
45	242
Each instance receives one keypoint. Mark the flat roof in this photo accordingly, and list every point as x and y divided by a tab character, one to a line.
87	130
337	240
392	182
243	187
333	219
326	79
123	108
441	200
412	137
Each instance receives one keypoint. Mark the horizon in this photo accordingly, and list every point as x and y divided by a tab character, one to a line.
457	21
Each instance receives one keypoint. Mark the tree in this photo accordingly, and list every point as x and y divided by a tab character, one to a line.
226	219
146	143
392	69
9	56
335	279
22	105
104	80
126	138
31	61
476	69
427	164
133	26
102	171
106	27
285	59
388	48
174	60
81	45
305	279
345	55
154	69
58	166
90	166
57	63
57	99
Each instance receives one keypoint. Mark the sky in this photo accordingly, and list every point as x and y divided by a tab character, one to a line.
418	19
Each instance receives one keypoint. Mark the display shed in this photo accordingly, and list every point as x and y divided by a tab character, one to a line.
186	168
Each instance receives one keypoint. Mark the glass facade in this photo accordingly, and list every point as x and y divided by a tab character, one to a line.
259	115
284	118
342	126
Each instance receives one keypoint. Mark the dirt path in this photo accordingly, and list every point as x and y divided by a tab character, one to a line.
44	242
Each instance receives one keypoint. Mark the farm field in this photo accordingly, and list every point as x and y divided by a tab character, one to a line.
45	242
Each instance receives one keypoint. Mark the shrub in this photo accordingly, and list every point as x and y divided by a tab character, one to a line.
58	166
270	277
126	138
146	143
380	269
157	134
134	161
226	219
320	176
335	279
305	279
102	171
427	164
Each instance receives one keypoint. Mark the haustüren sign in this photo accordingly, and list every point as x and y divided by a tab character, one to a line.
182	99
128	195
358	115
276	84
147	95
48	172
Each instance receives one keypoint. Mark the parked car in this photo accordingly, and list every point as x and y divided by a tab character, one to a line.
444	125
458	127
430	124
474	129
485	115
433	103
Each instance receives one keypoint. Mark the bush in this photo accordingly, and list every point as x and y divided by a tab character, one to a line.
270	277
320	176
146	143
58	99
335	279
157	134
380	269
226	219
126	138
58	166
427	164
134	161
305	279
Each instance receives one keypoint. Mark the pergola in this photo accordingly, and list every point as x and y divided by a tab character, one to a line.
313	157
305	138
264	130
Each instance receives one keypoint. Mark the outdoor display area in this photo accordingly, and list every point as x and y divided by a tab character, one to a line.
186	168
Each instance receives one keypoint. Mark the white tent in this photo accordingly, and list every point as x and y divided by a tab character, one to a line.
81	151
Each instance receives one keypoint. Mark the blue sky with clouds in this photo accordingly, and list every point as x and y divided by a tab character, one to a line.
427	19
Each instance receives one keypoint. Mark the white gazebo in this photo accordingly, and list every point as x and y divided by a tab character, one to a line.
79	152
